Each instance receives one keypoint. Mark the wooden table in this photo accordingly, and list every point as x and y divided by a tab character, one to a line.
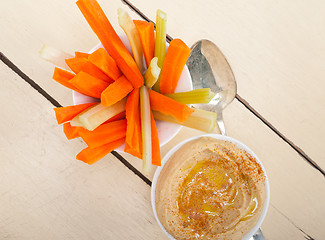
277	52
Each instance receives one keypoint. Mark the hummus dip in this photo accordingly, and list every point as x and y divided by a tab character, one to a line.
210	189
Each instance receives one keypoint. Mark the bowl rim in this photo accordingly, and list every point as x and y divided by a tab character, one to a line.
219	137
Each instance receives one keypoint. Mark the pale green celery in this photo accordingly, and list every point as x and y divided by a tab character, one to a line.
55	56
75	122
152	73
97	114
203	95
131	32
146	129
160	43
200	119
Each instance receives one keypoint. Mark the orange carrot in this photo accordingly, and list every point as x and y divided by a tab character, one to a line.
96	72
168	106
63	77
176	57
64	114
90	85
105	133
81	55
63	73
147	37
98	21
72	132
101	59
82	64
118	116
116	91
156	159
75	64
133	140
92	155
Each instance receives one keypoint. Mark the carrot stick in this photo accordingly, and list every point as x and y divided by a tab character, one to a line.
147	38
168	106
90	85
75	64
105	133
60	73
97	20
81	55
64	114
101	59
96	72
156	159
176	57
118	116
72	132
133	140
63	77
92	155
116	91
82	64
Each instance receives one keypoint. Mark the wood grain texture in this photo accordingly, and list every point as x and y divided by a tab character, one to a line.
297	190
26	27
46	193
276	52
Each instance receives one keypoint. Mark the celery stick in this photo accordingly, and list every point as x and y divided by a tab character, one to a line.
146	129
152	74
199	119
203	95
131	32
55	56
75	122
97	114
160	43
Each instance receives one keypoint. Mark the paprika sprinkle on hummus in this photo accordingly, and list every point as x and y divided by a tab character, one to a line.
210	189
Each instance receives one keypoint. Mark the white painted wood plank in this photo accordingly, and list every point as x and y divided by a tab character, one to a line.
277	53
26	27
46	193
297	189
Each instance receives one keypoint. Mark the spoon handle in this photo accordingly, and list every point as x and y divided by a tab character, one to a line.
258	235
221	124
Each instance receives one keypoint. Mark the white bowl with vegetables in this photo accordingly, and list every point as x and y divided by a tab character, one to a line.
166	130
114	75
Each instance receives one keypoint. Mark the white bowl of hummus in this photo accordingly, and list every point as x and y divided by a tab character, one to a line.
210	187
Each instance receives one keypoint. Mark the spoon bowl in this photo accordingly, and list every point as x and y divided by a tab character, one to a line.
210	69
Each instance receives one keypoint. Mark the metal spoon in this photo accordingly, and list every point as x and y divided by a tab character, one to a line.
210	69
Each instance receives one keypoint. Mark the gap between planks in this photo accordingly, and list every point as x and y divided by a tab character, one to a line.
307	236
245	103
55	103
